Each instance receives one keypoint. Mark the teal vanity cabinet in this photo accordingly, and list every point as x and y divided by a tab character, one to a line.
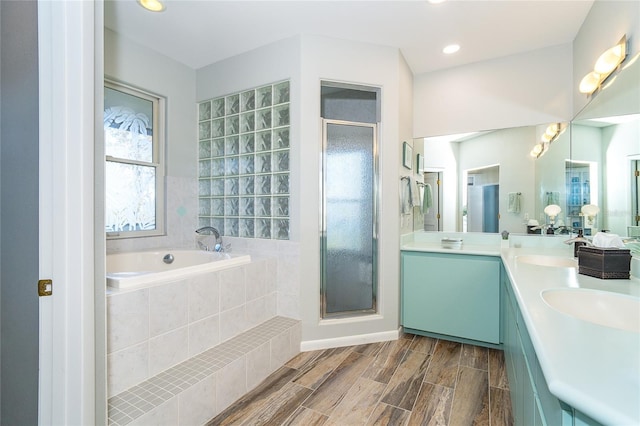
531	401
454	296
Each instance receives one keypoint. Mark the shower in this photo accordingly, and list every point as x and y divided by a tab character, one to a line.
349	201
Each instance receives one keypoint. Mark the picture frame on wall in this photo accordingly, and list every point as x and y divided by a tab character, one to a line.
420	163
407	155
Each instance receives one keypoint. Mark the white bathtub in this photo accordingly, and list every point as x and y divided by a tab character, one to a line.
145	268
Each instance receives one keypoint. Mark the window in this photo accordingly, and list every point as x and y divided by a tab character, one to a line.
134	141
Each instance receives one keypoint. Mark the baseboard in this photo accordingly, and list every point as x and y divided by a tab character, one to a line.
360	339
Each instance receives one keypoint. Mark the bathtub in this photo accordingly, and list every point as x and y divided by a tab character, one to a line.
145	268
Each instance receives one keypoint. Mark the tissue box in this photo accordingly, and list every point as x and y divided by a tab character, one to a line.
604	263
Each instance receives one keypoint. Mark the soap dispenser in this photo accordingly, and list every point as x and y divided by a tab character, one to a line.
578	244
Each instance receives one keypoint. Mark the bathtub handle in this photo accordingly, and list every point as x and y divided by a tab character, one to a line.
168	258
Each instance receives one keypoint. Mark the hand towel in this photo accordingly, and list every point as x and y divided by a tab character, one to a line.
427	199
405	195
514	202
415	193
553	198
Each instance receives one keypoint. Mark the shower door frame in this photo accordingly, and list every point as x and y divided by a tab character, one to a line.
323	222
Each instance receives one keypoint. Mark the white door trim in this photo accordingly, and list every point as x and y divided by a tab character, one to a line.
66	106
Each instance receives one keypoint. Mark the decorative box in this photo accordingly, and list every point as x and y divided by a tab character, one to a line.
604	263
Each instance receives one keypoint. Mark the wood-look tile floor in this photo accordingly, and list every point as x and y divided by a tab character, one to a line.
414	380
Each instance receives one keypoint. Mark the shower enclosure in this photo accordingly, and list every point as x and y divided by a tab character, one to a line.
349	204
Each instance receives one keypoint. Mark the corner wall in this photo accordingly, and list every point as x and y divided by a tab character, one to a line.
363	64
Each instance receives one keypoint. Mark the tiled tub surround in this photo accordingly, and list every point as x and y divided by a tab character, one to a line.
152	329
244	163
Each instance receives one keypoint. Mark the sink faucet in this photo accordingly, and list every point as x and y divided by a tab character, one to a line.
210	230
578	241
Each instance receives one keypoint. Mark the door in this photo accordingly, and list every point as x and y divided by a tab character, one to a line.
490	208
19	218
349	220
432	217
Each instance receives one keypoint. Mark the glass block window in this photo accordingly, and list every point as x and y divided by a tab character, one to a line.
243	163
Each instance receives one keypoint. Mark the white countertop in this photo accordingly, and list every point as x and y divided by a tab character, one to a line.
593	368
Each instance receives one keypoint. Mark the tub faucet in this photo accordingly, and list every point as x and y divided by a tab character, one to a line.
210	231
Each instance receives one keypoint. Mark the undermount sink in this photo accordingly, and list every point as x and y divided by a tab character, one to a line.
599	307
542	260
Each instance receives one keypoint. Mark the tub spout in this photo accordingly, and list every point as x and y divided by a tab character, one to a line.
208	230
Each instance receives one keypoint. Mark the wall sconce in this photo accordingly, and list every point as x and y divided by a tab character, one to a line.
605	65
589	212
552	210
552	132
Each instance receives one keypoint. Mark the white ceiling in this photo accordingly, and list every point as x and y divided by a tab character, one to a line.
201	32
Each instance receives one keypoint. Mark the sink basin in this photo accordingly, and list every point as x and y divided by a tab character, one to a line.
542	260
599	307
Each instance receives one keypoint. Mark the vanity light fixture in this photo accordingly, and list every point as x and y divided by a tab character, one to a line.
452	48
588	213
607	63
537	150
152	5
552	210
551	133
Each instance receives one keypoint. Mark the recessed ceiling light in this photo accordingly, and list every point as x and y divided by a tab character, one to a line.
452	48
436	1
152	5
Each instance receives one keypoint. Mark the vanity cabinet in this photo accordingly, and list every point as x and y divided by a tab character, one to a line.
532	402
454	295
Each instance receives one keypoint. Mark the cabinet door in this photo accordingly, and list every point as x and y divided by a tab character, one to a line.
455	295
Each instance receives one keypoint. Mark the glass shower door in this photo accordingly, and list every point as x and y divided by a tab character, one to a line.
349	219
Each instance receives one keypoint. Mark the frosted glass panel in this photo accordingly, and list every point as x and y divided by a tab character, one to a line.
349	215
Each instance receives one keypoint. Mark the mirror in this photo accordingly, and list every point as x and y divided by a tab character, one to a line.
500	162
605	137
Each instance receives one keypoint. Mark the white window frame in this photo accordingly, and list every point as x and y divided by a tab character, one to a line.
158	141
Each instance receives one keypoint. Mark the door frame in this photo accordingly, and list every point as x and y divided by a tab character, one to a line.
68	66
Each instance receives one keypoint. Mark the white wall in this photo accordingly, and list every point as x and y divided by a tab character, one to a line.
605	24
337	60
442	156
508	148
618	151
519	90
131	63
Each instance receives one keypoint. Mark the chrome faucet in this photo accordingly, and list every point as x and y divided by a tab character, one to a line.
210	231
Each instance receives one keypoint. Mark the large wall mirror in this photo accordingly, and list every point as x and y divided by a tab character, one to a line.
490	181
591	171
605	140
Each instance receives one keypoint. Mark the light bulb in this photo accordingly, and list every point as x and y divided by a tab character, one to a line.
452	48
152	5
590	82
609	60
